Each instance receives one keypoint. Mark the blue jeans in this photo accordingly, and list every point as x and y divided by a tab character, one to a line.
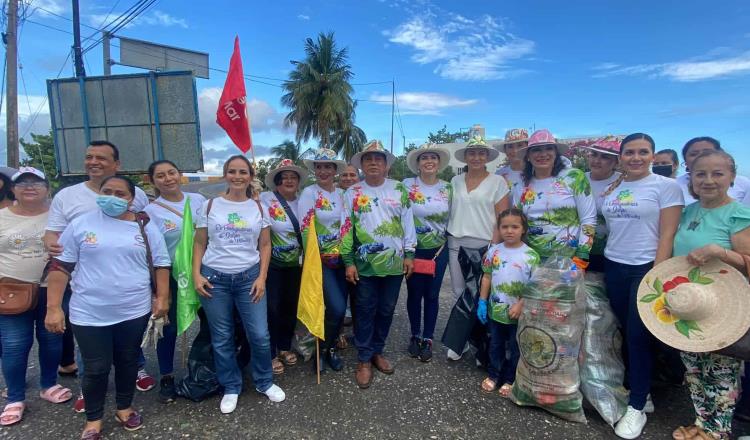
17	336
165	346
230	291
502	369
425	288
334	296
622	282
373	308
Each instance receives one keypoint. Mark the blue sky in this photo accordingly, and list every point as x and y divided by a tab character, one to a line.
673	69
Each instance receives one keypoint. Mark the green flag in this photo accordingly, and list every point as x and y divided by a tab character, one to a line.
182	271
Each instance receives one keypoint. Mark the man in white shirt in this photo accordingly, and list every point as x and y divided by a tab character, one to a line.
101	161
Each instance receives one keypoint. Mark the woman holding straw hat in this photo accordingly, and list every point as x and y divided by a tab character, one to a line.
285	269
431	201
325	202
478	197
714	227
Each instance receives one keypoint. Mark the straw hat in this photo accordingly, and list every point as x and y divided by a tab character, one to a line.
514	135
696	309
325	155
544	137
476	143
412	159
374	146
284	165
607	145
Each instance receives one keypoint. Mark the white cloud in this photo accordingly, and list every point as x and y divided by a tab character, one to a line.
682	71
155	18
462	48
47	7
303	17
424	103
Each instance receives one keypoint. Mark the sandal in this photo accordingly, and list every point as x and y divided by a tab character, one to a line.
12	413
505	390
134	421
56	394
488	385
64	372
342	343
288	358
685	432
277	366
91	434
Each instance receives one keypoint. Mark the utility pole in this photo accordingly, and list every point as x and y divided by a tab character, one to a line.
105	52
11	91
77	55
393	108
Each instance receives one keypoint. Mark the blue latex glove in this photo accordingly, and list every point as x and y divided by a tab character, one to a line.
482	311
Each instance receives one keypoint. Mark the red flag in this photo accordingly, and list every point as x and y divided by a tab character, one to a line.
232	112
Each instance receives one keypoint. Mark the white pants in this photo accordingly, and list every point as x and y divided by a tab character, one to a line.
457	277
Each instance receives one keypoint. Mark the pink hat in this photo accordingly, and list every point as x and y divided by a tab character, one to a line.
544	137
608	145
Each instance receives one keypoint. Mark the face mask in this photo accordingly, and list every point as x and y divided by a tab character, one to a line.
662	170
111	205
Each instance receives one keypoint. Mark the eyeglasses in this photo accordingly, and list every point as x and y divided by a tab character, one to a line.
36	185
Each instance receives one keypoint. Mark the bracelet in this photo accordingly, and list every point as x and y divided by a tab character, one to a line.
726	253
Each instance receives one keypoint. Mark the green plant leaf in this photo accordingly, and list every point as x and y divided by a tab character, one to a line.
651	297
694	274
683	327
704	280
693	326
658	286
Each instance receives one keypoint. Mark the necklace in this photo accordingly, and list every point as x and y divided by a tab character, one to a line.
697	220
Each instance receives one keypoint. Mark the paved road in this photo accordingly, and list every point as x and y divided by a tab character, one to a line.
437	400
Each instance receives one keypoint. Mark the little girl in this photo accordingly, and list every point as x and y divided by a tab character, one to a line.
507	271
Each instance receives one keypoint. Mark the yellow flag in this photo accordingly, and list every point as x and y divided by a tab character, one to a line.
311	310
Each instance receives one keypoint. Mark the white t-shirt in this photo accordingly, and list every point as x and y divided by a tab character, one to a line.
22	254
111	282
598	188
632	211
473	213
169	223
514	178
79	199
233	232
740	191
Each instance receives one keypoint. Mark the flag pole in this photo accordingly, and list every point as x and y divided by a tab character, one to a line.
317	357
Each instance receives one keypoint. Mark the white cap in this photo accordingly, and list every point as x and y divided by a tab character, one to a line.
28	170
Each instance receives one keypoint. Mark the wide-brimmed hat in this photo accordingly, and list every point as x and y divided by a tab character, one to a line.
412	159
607	145
27	170
374	146
696	309
8	172
324	155
476	143
284	165
514	135
544	137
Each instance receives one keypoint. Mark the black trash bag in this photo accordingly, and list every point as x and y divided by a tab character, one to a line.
200	382
463	325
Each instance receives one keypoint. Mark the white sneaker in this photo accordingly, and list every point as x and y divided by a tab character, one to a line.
631	424
648	408
453	356
228	403
274	394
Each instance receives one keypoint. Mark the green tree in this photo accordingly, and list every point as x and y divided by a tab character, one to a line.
443	136
349	140
318	91
40	154
285	150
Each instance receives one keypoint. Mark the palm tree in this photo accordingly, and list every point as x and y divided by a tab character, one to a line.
348	140
318	91
285	150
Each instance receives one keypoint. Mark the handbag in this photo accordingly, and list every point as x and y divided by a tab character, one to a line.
427	267
17	296
740	349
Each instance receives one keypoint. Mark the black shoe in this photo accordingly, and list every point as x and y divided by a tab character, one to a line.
425	350
414	346
167	392
334	360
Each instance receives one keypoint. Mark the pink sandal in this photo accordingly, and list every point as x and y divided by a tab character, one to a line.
56	394
12	413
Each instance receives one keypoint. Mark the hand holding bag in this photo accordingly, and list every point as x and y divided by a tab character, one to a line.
425	266
17	296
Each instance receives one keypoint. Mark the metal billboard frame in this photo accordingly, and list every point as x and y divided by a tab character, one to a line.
160	52
53	92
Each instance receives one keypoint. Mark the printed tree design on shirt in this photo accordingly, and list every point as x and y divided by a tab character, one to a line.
578	183
391	228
